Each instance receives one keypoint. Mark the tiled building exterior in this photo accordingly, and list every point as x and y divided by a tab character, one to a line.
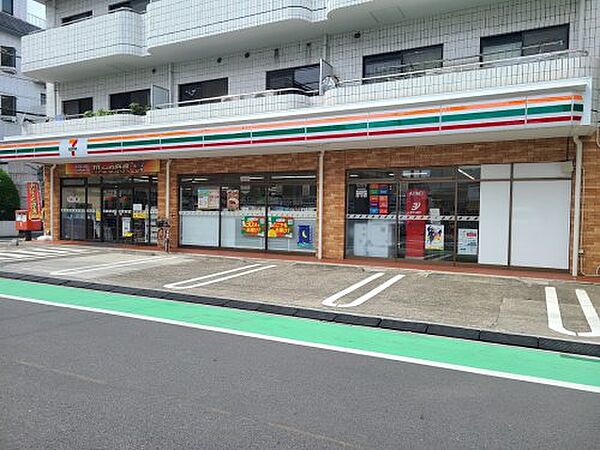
483	115
22	98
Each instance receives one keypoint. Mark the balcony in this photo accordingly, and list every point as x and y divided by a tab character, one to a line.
89	48
464	75
179	32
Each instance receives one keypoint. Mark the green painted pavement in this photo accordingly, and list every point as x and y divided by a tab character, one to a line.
510	360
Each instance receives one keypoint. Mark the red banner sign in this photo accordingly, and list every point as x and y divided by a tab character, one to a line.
113	168
34	201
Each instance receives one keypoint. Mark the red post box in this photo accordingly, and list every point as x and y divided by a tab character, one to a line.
25	225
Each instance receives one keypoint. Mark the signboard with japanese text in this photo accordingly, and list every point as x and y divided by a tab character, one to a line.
34	201
253	226
281	227
113	168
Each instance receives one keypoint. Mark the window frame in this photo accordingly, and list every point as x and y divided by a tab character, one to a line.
79	108
8	6
147	92
8	56
201	84
74	18
401	54
521	36
11	109
272	73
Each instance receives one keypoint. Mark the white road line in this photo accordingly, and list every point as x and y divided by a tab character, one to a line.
96	267
330	301
34	253
555	322
590	314
372	293
352	351
49	250
181	284
12	255
228	277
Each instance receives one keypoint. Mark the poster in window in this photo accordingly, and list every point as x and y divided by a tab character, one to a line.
281	227
434	237
304	236
126	227
208	199
233	199
253	226
467	241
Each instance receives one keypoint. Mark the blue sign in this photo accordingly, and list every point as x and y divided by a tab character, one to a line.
304	236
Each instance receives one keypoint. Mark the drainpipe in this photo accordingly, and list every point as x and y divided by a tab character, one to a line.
168	190
581	25
320	211
52	167
577	206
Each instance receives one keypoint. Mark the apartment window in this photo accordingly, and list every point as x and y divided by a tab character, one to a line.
136	5
305	78
525	43
8	6
8	105
123	100
76	18
404	61
77	107
8	57
43	99
203	90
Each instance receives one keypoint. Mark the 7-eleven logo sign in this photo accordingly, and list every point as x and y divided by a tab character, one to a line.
74	147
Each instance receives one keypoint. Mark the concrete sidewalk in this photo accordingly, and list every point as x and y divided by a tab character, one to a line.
503	304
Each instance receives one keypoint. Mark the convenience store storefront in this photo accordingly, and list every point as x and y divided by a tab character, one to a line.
479	190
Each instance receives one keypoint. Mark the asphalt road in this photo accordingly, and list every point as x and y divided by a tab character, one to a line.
80	380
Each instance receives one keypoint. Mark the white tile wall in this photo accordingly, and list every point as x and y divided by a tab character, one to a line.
460	32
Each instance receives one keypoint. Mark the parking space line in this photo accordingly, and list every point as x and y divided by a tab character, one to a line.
229	274
105	266
331	301
590	314
12	255
373	292
555	322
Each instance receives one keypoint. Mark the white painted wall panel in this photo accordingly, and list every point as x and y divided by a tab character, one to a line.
494	222
540	226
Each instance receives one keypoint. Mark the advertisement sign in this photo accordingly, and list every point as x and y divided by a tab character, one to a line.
208	199
467	241
417	204
126	226
74	147
253	226
305	236
281	227
34	201
434	237
378	198
112	168
233	199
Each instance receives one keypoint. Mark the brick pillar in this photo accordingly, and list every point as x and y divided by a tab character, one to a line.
334	205
54	228
590	212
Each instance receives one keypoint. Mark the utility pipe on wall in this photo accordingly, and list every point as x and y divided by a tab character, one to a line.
577	205
168	190
581	25
320	210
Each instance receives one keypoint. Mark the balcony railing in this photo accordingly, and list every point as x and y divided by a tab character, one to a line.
452	76
464	75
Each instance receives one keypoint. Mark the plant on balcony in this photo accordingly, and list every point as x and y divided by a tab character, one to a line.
137	109
99	113
9	197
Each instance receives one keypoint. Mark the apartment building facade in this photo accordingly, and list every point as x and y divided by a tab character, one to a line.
22	98
457	132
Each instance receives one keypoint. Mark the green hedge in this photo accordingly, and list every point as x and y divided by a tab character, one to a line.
9	197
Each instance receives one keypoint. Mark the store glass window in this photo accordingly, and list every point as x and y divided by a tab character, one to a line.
203	90
404	61
8	6
467	234
250	211
8	105
76	18
73	210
